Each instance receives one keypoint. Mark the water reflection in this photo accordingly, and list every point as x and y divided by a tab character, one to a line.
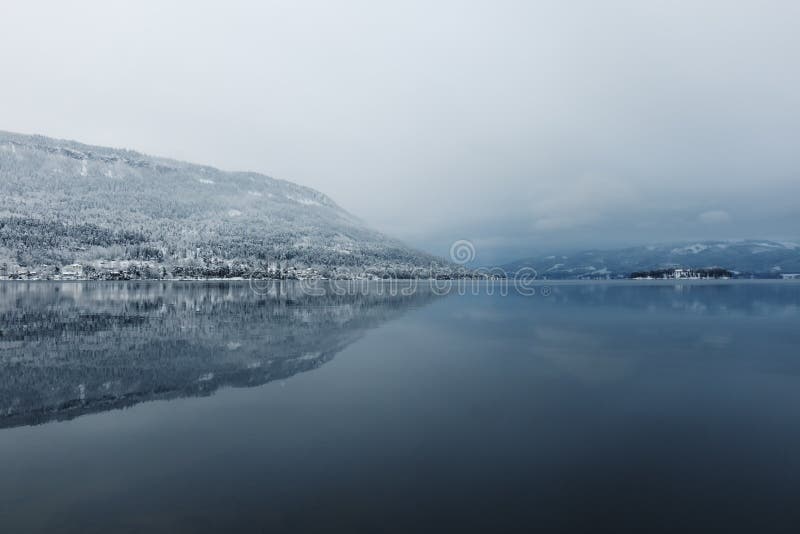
622	331
68	349
610	407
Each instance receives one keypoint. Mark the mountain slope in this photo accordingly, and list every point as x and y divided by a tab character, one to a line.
64	202
756	257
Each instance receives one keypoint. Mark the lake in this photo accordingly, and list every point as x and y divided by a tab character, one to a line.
647	406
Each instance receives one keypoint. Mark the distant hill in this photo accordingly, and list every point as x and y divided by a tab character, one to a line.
762	258
64	202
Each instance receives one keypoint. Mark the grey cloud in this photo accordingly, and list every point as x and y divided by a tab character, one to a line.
519	125
714	217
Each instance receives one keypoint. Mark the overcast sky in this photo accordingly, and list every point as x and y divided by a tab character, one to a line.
522	126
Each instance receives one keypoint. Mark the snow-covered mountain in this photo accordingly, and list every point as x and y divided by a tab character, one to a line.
746	257
63	202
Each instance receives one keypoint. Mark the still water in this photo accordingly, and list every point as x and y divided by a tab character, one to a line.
210	407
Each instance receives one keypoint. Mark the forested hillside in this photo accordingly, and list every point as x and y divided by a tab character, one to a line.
112	211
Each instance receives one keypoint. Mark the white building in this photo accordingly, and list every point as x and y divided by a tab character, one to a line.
685	273
75	270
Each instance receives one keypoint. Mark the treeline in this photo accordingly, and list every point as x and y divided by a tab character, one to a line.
32	242
19	232
45	246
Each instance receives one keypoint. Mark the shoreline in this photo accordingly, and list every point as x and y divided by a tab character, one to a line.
619	281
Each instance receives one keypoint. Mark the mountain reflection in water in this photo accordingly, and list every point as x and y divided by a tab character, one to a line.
68	349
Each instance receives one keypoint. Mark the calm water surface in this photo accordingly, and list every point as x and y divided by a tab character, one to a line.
190	407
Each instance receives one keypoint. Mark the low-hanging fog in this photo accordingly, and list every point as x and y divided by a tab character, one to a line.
519	125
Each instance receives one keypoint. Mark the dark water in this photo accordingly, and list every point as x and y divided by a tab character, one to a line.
187	407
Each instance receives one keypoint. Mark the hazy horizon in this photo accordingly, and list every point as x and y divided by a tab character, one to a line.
522	127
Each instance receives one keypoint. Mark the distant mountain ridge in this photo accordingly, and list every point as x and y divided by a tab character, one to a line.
63	202
762	258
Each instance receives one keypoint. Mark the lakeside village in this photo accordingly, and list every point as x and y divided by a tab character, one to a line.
714	273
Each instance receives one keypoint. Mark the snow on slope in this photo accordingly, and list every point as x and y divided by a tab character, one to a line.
65	202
